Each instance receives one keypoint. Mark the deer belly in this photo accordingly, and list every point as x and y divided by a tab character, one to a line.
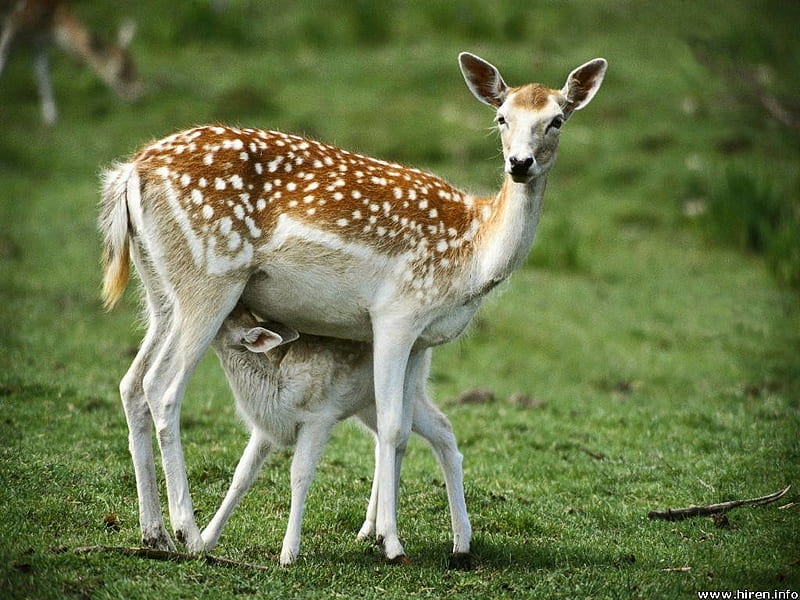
313	298
447	326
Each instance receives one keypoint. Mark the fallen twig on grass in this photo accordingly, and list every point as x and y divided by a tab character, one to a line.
678	514
592	453
677	570
169	555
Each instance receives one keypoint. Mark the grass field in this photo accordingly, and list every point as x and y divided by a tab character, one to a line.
638	361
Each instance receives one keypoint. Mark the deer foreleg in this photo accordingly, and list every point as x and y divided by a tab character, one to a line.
393	340
246	471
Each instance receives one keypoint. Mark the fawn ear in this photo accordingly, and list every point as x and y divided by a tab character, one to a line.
483	79
259	339
582	84
286	333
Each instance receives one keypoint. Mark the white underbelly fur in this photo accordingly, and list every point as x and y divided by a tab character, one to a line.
320	284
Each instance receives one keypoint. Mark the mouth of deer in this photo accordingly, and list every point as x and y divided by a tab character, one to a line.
521	177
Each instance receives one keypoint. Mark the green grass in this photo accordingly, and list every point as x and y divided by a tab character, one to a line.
665	368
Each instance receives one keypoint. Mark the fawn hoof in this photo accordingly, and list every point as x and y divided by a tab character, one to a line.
459	561
366	532
193	543
288	558
209	540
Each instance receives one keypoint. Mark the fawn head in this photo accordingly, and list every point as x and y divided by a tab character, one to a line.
241	329
530	117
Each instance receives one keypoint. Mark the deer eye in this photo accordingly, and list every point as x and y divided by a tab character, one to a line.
556	123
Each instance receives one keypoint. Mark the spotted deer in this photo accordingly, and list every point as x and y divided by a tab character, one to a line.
295	392
329	242
46	21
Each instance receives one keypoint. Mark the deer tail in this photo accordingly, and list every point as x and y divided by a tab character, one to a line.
120	185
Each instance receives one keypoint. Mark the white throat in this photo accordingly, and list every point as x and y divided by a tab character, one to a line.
519	207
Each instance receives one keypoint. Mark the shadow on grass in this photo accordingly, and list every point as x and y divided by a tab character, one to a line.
486	556
535	555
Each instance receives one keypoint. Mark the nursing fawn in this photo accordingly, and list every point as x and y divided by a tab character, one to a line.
293	393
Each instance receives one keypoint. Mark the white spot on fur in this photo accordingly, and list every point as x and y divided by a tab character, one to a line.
254	230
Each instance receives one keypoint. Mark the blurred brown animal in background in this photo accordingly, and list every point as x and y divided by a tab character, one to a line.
42	22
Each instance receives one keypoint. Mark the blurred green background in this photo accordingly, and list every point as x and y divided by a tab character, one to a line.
647	355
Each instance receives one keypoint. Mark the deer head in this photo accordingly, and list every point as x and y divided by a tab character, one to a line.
530	117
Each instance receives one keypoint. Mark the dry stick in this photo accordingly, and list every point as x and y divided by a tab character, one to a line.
678	514
169	555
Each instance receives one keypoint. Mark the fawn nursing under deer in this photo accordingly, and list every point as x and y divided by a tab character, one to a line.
327	242
296	394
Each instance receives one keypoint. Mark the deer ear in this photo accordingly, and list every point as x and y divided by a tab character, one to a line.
483	79
582	84
259	339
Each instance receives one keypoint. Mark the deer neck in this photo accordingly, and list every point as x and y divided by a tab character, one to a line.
509	230
251	376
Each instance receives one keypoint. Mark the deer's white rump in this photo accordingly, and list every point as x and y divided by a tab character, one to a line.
323	240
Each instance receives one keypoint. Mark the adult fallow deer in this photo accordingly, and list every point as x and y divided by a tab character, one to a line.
326	241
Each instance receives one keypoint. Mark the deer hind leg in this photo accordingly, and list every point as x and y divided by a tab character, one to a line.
137	411
140	441
193	326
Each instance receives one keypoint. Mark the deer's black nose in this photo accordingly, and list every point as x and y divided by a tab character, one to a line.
519	166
